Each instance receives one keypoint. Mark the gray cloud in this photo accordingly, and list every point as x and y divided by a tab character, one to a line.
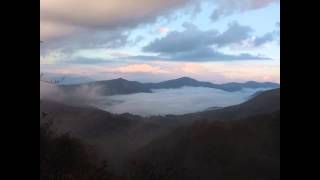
83	60
88	39
62	17
209	54
191	44
68	25
268	37
186	40
228	7
193	38
235	33
195	45
198	55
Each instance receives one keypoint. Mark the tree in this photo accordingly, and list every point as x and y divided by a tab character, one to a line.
65	157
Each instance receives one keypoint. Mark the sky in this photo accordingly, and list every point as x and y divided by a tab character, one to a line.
152	40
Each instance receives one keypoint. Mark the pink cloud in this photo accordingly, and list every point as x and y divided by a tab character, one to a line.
193	68
218	72
163	30
139	68
58	16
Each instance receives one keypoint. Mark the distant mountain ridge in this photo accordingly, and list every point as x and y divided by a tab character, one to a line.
111	87
233	86
123	86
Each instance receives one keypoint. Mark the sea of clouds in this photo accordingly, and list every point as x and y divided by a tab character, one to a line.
159	102
173	101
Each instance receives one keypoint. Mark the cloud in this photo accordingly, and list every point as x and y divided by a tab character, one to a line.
193	44
173	101
228	7
163	30
69	25
100	14
139	68
64	17
219	71
51	30
86	40
192	68
193	38
105	68
209	54
186	40
235	33
82	95
53	57
268	37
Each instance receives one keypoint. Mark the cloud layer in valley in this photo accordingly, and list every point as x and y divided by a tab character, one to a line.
173	101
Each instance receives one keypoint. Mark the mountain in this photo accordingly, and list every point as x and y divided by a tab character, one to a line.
118	137
114	136
180	82
110	87
250	84
263	103
186	81
90	122
255	94
65	157
244	149
122	86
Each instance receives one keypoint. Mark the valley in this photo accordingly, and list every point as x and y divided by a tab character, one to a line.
126	138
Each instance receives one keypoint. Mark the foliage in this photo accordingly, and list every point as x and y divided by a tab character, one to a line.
65	157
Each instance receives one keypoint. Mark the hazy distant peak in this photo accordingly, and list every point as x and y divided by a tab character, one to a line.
186	78
123	86
120	79
255	82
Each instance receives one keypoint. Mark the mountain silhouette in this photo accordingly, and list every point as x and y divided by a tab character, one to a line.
123	86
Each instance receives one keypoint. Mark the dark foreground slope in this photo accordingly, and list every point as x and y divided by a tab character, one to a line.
238	150
130	143
263	103
115	136
65	157
83	121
